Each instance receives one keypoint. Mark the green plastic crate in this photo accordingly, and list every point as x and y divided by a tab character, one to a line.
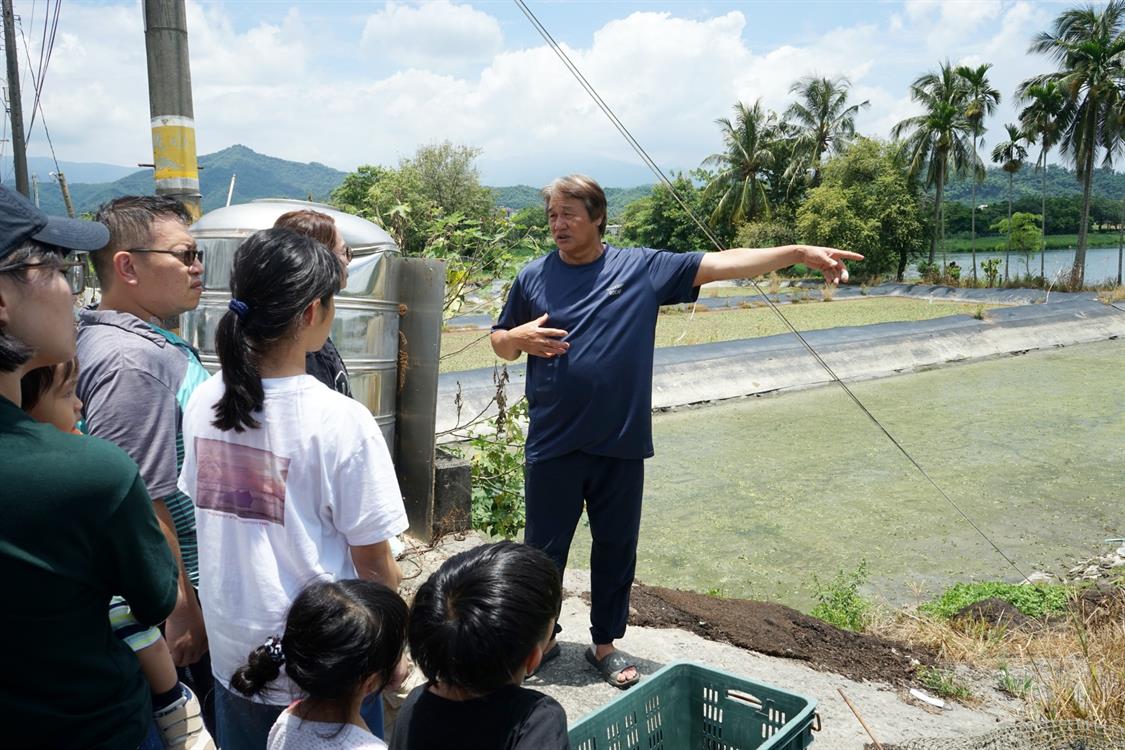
687	706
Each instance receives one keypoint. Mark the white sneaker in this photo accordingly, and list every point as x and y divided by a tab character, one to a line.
181	724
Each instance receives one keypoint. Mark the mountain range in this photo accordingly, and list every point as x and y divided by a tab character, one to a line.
257	176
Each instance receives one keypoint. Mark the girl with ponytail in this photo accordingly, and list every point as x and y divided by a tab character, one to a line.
292	481
343	641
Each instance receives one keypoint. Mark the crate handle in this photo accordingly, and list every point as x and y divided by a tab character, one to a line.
816	721
746	698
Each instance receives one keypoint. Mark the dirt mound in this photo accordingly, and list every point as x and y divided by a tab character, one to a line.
776	630
994	612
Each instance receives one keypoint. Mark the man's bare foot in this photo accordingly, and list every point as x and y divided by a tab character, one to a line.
627	675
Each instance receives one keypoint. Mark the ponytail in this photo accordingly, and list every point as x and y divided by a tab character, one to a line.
277	274
242	385
263	667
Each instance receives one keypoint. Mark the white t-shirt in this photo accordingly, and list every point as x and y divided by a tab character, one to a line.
280	506
291	732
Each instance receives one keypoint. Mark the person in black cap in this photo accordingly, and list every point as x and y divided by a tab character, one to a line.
78	523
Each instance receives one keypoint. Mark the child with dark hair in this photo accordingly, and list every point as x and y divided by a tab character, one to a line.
48	396
343	641
478	627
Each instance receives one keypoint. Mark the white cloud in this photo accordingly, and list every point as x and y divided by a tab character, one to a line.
268	85
434	35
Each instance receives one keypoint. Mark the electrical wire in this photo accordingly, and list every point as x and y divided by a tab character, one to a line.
46	50
37	84
620	126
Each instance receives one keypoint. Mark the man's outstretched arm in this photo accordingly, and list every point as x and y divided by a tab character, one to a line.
746	263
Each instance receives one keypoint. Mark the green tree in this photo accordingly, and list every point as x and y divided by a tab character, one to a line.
824	122
448	178
1040	120
393	199
940	139
433	206
1010	155
980	102
866	203
1088	46
739	182
1024	233
658	220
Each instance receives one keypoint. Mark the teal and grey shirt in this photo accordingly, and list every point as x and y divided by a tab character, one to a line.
134	380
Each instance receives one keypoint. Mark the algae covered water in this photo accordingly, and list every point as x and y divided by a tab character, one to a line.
753	498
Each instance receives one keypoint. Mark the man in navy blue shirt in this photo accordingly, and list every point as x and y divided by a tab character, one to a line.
586	316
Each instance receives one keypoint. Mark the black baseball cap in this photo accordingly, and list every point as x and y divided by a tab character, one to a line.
20	221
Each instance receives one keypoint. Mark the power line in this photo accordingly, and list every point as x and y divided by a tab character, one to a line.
46	49
37	84
620	126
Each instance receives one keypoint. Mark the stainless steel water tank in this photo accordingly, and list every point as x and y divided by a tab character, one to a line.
366	326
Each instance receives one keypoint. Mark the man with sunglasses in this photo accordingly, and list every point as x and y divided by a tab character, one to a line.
136	377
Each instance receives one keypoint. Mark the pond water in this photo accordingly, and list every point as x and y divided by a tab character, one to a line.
1101	264
754	497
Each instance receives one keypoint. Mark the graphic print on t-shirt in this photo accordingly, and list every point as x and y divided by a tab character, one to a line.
243	481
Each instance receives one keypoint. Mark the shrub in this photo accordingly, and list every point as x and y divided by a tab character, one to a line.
1033	601
840	602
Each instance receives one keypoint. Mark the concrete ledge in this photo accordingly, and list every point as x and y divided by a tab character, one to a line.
688	375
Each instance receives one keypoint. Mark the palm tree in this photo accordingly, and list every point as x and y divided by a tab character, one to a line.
1040	120
1010	155
739	178
980	102
1088	45
940	137
824	120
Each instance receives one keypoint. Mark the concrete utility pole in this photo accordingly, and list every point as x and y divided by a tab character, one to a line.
169	97
15	105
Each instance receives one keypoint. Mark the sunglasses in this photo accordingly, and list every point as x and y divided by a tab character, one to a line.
187	257
74	271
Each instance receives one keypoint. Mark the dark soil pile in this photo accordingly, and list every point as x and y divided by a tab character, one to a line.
993	612
777	630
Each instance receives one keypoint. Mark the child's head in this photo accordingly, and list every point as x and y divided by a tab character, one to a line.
282	285
481	621
343	639
48	395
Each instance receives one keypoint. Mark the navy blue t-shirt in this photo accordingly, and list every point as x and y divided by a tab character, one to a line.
597	397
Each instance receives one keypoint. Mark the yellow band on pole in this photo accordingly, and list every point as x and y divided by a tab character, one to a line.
173	150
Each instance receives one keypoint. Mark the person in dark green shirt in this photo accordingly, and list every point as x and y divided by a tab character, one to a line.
76	523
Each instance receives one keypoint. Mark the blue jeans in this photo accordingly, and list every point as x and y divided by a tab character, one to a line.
242	724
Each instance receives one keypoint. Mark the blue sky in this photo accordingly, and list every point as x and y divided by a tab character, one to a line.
346	83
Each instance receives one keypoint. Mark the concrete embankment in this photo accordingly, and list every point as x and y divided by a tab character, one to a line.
710	372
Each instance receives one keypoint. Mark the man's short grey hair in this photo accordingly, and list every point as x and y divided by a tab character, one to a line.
583	188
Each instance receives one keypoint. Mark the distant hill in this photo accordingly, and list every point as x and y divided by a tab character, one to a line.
1028	182
75	171
258	176
516	197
